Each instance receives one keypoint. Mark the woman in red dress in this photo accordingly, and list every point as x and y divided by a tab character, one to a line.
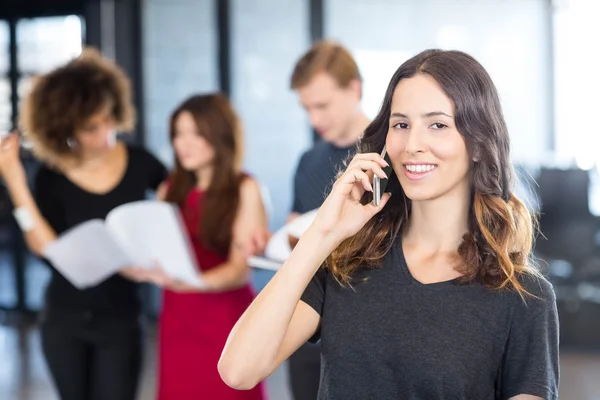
221	208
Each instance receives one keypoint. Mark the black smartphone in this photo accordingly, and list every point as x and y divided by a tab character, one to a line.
379	184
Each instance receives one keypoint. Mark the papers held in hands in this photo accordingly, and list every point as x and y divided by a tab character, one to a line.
140	234
278	249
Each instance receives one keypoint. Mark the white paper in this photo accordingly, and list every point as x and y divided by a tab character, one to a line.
154	230
278	248
299	225
87	254
264	263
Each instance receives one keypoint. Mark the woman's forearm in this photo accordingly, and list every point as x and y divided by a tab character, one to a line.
227	276
254	343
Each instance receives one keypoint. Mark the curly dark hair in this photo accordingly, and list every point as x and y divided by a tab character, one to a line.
64	99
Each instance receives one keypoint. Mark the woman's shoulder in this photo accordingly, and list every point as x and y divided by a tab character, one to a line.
146	164
47	173
537	284
141	154
137	152
249	185
538	294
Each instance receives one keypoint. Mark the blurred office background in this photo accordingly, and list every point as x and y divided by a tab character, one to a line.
540	53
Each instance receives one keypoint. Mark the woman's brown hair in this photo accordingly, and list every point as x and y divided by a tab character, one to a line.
218	123
496	250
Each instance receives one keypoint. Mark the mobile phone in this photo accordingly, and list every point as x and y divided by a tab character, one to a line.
379	184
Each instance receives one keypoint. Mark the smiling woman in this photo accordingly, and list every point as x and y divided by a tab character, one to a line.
424	141
430	294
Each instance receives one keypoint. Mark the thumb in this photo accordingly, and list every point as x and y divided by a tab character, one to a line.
373	209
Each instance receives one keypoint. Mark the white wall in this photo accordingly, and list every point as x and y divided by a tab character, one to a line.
180	59
509	37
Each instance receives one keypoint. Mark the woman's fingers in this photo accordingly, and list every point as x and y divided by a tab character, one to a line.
368	165
374	209
352	177
373	157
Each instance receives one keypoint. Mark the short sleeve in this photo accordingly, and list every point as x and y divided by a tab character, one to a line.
314	296
297	204
47	198
531	357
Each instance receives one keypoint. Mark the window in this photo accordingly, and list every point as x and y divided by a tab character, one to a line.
576	82
4	43
45	43
5	105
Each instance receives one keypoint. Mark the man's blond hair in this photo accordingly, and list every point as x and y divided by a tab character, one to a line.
326	56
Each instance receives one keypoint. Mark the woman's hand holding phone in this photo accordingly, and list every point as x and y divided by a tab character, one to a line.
342	215
380	184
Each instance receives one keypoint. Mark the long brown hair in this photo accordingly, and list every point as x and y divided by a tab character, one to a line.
496	250
218	123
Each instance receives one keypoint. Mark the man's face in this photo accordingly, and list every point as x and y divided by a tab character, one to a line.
330	107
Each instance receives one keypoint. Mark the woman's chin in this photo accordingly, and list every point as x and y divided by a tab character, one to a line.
190	165
419	195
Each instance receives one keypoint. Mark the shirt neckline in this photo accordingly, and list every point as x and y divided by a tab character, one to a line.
399	254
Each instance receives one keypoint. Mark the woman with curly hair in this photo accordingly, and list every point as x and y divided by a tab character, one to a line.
430	294
91	338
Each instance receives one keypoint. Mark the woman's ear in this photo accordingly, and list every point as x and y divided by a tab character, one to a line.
476	155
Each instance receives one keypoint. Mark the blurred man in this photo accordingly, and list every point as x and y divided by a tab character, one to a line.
329	87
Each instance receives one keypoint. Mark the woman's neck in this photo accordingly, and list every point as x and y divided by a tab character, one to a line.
90	162
204	177
438	225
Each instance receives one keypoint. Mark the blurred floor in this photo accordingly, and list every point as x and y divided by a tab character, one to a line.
23	374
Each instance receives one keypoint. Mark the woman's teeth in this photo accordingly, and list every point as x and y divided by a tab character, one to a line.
419	168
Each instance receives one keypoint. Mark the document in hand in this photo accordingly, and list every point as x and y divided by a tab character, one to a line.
278	249
141	234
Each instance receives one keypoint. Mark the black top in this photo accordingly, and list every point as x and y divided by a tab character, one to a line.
316	174
392	337
65	205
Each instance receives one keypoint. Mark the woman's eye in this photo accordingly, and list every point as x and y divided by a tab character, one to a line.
401	125
439	125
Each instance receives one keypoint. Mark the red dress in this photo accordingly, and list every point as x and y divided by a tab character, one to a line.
194	328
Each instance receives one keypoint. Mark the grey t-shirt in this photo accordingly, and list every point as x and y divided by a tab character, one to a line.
316	174
392	337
